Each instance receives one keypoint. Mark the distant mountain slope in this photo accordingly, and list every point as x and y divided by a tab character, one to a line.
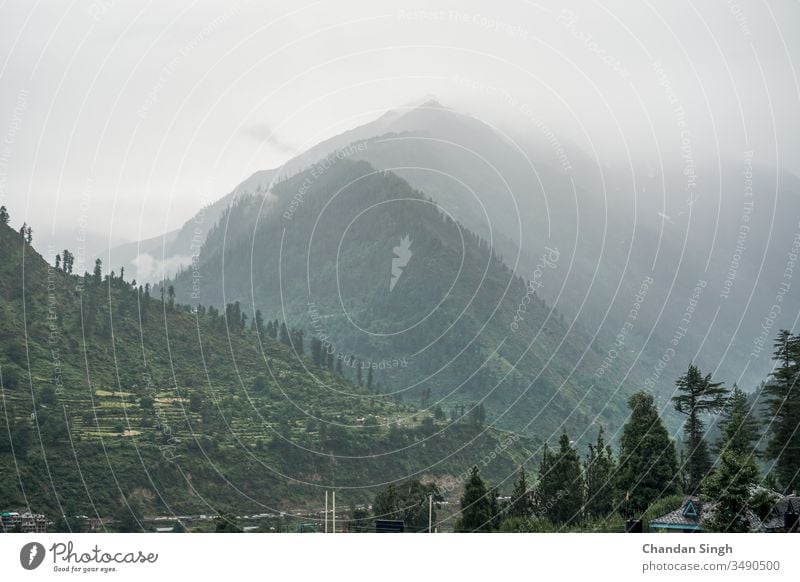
667	225
456	323
109	394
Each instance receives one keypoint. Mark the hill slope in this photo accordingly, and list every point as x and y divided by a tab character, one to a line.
110	394
440	316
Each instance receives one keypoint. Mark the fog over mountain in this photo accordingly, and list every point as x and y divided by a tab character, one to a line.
531	265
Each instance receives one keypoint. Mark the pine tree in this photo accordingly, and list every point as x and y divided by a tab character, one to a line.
782	394
369	379
284	334
259	324
598	470
58	262
559	495
4	216
730	486
29	235
697	395
739	428
647	467
476	510
521	504
171	295
98	272
731	483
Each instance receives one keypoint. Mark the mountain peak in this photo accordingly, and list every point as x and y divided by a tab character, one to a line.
427	101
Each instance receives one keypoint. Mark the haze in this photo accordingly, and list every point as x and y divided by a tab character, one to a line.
120	119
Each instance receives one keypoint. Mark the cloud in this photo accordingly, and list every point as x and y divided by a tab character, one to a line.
153	269
262	132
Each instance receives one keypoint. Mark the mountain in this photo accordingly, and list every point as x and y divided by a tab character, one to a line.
357	258
642	243
110	394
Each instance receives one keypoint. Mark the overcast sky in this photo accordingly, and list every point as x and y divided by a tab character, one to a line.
127	116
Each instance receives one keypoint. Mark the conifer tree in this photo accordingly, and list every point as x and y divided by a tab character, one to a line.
521	504
4	216
559	495
598	471
647	467
476	510
739	428
697	395
98	272
731	484
783	405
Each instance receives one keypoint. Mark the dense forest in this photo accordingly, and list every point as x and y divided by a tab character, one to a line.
119	402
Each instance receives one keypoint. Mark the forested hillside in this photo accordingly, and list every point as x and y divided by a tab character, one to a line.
455	326
111	394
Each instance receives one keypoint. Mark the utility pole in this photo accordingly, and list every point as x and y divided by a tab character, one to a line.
334	512
326	511
430	513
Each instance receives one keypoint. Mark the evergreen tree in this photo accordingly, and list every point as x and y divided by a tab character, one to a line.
697	395
599	470
226	523
408	502
521	504
731	483
477	415
339	366
369	378
559	495
284	334
359	374
476	510
739	428
171	295
730	486
29	235
4	216
98	272
783	405
58	262
259	324
647	466
316	351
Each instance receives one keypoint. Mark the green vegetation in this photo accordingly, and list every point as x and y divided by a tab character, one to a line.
506	356
126	406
